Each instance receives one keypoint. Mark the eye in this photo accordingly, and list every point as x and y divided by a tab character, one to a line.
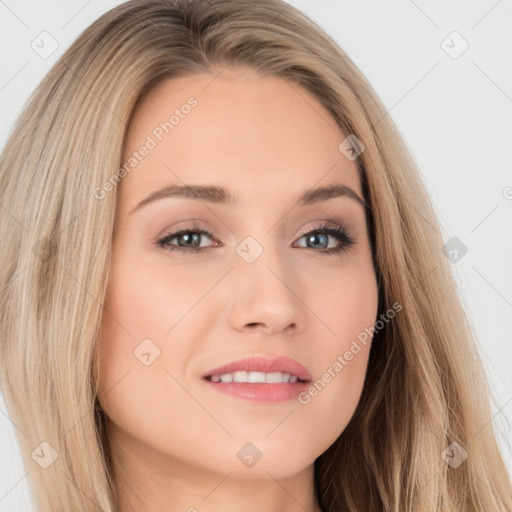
320	236
189	239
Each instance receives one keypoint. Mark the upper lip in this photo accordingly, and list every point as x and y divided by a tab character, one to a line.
264	364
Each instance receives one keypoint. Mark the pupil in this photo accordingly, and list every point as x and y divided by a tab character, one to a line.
194	236
316	236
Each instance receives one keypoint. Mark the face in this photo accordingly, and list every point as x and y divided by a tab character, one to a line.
265	275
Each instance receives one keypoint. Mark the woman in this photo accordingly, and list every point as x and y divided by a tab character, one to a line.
150	374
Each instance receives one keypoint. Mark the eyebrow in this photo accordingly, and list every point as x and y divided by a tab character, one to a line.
219	195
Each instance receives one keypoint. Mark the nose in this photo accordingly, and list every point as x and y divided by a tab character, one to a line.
266	297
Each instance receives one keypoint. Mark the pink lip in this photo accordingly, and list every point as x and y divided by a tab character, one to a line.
260	392
264	364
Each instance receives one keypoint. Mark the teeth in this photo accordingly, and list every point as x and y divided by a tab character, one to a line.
277	377
256	377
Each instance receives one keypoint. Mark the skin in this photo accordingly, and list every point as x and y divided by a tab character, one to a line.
175	439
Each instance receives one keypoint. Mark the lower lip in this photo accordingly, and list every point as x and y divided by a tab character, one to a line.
259	392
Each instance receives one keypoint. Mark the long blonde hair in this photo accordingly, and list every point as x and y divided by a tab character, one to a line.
425	387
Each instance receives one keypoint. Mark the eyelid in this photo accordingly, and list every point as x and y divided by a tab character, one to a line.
191	225
210	232
323	224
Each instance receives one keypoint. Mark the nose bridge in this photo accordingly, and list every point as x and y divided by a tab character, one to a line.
266	268
262	253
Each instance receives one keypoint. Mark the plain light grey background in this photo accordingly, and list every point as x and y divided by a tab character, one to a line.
444	72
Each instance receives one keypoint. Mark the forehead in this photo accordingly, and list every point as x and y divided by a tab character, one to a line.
236	129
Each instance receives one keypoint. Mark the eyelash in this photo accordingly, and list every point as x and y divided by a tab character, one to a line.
339	234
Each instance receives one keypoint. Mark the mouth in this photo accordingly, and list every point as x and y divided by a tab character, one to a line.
260	379
255	377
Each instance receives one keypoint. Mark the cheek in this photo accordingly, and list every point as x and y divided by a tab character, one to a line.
139	311
140	355
149	299
151	314
345	302
347	306
146	302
